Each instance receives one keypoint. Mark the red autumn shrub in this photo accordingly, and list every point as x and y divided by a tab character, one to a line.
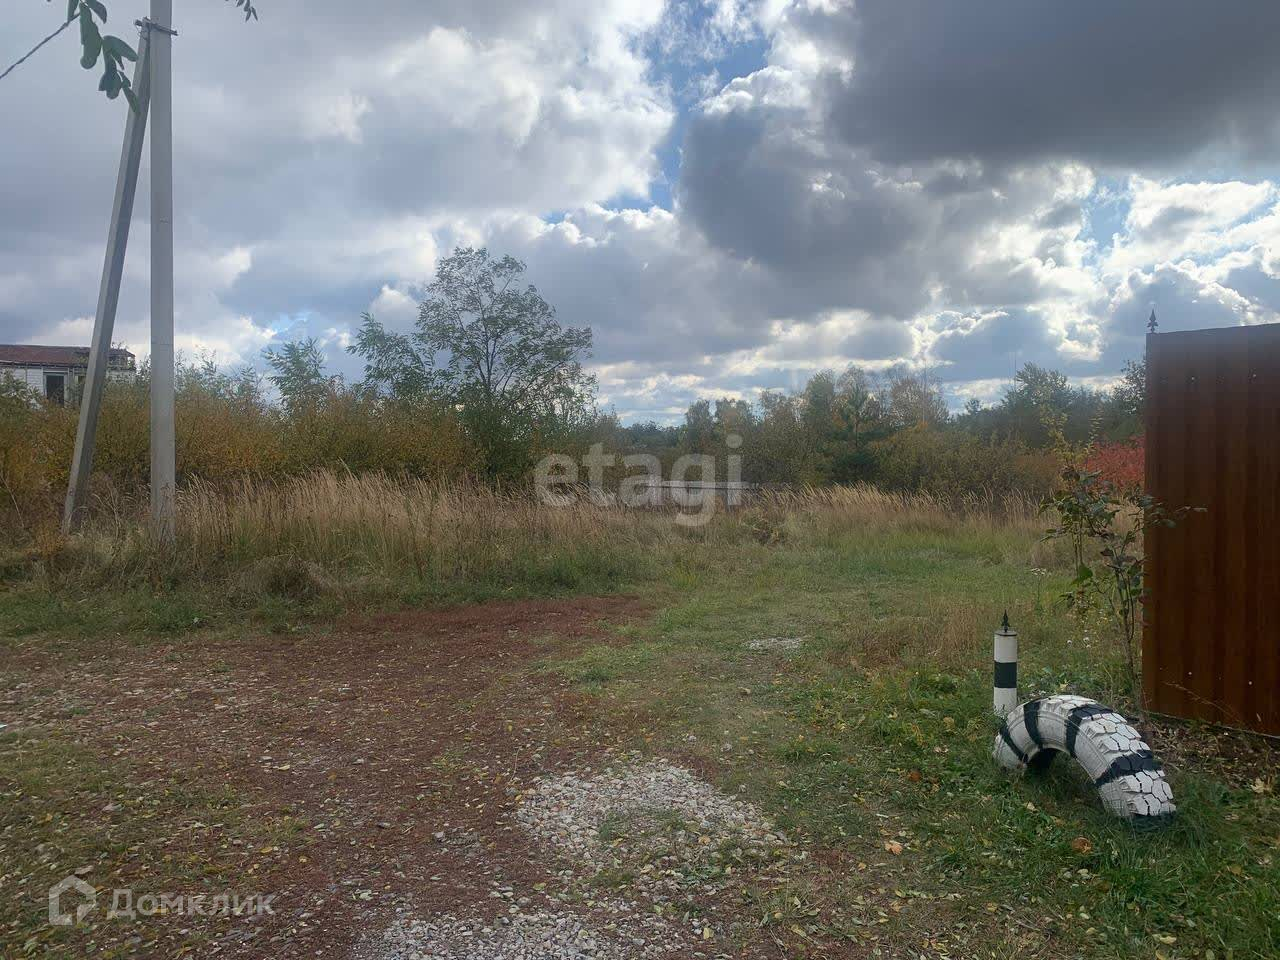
1123	462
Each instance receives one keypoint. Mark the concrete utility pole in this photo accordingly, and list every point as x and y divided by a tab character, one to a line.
163	440
135	130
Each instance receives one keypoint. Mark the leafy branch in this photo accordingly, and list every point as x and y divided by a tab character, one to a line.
112	50
1105	525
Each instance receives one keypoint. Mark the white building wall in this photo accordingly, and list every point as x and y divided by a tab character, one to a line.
33	377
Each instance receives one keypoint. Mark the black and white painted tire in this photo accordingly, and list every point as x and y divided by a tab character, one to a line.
1129	779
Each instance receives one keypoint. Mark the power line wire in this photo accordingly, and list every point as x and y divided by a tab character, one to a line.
17	63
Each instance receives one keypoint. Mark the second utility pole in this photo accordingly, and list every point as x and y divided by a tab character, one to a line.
135	129
163	438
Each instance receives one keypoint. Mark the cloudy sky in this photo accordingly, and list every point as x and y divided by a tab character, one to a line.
731	193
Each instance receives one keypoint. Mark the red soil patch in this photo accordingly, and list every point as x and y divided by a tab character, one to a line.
397	740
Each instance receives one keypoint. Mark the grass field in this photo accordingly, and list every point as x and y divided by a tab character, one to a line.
869	742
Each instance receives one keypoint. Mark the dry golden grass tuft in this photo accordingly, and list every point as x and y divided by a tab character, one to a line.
862	504
350	536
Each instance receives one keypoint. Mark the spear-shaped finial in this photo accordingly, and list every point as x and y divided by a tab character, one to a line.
1151	321
1004	622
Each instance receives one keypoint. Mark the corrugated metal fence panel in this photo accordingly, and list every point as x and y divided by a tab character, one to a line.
1211	644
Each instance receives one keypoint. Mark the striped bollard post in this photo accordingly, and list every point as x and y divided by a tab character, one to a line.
1005	688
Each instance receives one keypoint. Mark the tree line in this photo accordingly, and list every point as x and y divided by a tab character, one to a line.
488	381
488	348
893	429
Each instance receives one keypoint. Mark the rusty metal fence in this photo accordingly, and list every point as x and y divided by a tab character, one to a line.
1211	640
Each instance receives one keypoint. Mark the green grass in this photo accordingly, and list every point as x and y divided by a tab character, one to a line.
875	732
878	729
284	594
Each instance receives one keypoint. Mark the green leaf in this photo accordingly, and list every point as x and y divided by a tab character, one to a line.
90	39
118	48
72	6
99	9
249	10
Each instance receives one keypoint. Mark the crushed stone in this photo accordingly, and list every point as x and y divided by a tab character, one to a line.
672	834
579	812
676	839
531	936
776	643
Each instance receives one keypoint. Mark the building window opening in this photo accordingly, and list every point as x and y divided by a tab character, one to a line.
55	387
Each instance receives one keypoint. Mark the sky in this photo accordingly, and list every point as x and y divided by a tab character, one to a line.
732	194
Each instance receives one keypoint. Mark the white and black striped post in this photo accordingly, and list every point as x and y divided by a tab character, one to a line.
1005	688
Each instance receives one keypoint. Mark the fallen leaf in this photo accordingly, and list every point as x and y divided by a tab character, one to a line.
894	847
1082	845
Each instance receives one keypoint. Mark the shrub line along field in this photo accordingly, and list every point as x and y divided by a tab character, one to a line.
371	699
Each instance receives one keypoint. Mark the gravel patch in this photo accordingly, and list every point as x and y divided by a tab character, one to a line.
776	643
531	936
653	829
582	812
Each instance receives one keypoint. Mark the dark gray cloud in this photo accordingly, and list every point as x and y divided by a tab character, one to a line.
766	179
653	290
1256	284
1141	84
994	346
1182	301
763	188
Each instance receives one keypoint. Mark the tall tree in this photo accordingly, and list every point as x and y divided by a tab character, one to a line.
489	344
1130	394
914	398
698	435
733	417
859	407
820	405
482	341
1038	405
298	373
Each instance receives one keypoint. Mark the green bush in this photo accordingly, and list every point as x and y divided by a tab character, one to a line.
952	464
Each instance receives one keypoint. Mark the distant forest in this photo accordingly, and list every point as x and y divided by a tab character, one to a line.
488	382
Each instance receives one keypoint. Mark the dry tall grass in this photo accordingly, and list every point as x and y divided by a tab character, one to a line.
340	531
862	504
388	523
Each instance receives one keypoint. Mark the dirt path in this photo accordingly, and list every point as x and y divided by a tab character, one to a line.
391	753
